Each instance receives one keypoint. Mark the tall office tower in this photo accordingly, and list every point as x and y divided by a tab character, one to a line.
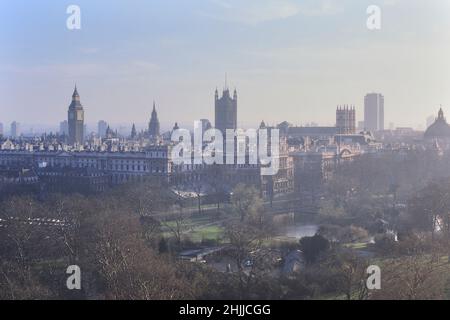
1	129
226	111
15	130
153	126
346	119
64	128
76	120
374	112
101	128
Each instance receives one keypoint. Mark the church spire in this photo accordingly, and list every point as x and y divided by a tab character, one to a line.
133	131
153	126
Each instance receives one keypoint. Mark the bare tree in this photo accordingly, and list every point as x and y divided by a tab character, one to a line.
130	269
417	277
178	225
246	202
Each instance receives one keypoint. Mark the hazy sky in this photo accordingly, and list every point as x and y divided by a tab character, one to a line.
290	60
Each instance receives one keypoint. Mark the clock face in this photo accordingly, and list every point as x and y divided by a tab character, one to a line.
79	115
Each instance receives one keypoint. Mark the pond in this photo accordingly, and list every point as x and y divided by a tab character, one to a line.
301	230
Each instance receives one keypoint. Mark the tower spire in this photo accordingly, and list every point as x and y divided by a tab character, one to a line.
75	92
153	126
441	113
75	95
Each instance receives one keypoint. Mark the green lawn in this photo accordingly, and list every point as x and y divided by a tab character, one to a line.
199	228
356	245
212	232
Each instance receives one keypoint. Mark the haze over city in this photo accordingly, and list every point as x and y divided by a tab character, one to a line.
300	58
125	173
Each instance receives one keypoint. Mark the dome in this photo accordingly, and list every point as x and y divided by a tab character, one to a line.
439	129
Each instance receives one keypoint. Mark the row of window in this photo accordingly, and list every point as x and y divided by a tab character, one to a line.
137	166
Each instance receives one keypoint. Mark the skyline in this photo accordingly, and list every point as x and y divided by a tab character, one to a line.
167	125
302	58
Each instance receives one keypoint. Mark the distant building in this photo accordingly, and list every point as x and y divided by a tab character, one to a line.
439	130
1	129
68	180
15	130
404	131
360	126
346	119
374	112
206	124
64	128
121	167
154	126
281	183
76	120
225	111
312	169
228	176
400	135
133	132
16	180
319	133
362	139
102	126
284	128
111	134
430	121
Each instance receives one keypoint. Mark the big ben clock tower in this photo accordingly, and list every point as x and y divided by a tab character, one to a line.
76	120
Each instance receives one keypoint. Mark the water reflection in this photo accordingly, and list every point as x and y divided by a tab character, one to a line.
301	230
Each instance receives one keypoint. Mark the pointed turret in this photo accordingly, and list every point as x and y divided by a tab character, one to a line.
262	125
153	126
75	95
441	114
133	131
